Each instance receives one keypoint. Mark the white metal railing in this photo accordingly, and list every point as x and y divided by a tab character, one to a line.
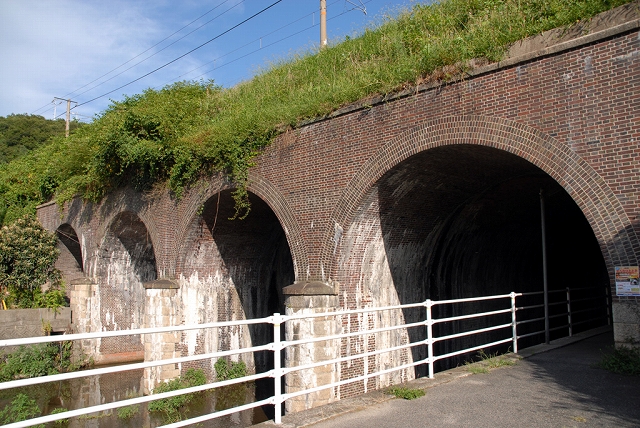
277	373
569	313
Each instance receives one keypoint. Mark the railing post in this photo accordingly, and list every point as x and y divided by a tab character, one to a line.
428	304
513	322
277	369
569	311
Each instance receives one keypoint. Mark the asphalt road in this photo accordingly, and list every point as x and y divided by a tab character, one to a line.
558	388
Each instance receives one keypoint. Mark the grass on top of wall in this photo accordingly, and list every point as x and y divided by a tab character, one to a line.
174	136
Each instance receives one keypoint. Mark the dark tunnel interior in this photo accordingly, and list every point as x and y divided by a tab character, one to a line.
257	255
475	214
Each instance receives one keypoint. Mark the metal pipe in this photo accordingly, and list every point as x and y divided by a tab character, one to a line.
569	312
543	225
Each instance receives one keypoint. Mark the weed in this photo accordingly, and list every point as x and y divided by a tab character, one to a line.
93	416
475	368
46	327
60	422
38	360
173	408
623	360
229	370
21	408
406	393
486	362
128	412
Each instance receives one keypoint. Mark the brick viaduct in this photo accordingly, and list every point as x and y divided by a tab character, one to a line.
433	192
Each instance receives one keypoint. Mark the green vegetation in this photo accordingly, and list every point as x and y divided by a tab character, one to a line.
27	257
229	370
406	393
623	360
60	422
189	130
486	362
173	408
22	407
128	412
38	360
22	133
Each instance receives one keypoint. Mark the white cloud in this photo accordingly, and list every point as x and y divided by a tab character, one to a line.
52	48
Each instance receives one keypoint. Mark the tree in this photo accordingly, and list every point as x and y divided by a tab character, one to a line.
22	133
27	256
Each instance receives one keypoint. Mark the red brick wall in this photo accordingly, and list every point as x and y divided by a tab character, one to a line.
573	113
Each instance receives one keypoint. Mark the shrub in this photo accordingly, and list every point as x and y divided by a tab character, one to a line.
21	408
229	370
128	412
38	360
623	360
173	408
27	256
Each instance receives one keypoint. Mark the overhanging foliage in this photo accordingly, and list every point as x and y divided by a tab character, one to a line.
193	129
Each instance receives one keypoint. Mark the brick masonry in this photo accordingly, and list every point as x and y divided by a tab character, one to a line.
568	115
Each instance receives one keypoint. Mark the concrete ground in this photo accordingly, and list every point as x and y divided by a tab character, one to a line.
553	385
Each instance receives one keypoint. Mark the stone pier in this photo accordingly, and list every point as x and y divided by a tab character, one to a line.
160	311
307	299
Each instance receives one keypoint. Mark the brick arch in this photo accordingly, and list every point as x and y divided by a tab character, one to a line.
144	217
292	230
587	188
266	191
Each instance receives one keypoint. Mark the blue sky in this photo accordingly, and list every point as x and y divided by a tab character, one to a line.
85	49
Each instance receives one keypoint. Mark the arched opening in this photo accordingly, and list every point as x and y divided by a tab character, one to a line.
126	261
234	269
465	221
70	259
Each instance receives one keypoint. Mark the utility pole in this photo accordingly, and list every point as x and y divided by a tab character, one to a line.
323	24
66	128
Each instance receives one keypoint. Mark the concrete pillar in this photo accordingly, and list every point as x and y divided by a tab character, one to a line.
161	310
626	323
310	298
82	292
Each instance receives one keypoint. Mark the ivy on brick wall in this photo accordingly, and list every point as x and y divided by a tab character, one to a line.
174	136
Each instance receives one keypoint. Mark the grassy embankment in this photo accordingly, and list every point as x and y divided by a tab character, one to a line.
174	136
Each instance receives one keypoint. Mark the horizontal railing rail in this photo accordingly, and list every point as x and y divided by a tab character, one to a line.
427	323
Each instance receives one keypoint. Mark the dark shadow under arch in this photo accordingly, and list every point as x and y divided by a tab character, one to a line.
126	261
69	261
463	221
244	265
596	200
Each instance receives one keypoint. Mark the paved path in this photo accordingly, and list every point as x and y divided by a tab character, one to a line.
558	388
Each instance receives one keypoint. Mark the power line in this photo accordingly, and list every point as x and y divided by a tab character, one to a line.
244	46
262	46
183	55
270	44
145	51
154	54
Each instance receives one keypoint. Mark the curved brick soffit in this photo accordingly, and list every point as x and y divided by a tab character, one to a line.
110	215
597	201
266	191
69	215
78	215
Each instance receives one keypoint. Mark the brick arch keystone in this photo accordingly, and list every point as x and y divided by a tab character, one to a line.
599	204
